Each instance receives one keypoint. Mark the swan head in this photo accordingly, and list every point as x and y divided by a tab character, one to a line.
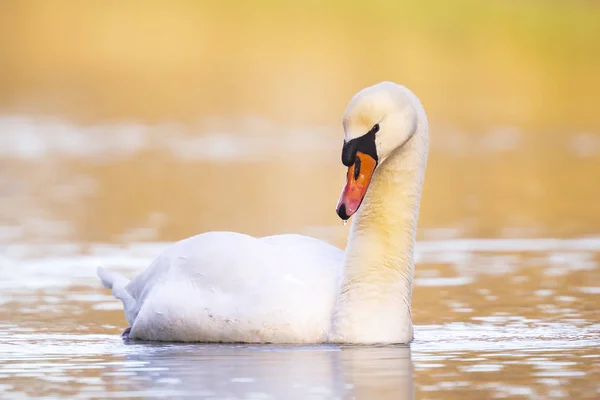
378	120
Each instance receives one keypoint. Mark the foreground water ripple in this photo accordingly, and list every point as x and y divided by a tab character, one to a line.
531	330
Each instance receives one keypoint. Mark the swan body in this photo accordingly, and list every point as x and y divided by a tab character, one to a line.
231	287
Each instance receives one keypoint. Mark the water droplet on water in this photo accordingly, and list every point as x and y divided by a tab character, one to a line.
345	222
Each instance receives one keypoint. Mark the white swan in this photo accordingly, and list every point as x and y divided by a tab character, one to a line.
230	287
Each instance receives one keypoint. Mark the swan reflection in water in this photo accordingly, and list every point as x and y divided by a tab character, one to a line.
281	372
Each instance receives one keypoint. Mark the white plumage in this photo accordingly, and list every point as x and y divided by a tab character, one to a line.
231	287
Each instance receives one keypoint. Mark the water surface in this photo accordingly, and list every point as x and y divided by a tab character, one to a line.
494	319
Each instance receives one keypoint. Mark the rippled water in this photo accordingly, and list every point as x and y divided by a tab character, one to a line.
494	319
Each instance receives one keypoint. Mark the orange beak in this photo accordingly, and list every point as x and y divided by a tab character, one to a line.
357	181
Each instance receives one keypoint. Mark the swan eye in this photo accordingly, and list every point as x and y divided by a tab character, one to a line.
356	168
364	144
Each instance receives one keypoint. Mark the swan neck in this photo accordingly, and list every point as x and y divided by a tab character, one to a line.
375	297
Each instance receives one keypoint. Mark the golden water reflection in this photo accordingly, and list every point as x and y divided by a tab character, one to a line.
123	182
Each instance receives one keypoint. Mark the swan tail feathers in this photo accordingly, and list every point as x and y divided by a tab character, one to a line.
118	284
111	279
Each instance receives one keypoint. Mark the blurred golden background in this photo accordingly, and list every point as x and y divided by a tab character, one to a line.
129	121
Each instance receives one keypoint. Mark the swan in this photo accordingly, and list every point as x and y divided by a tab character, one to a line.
230	287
